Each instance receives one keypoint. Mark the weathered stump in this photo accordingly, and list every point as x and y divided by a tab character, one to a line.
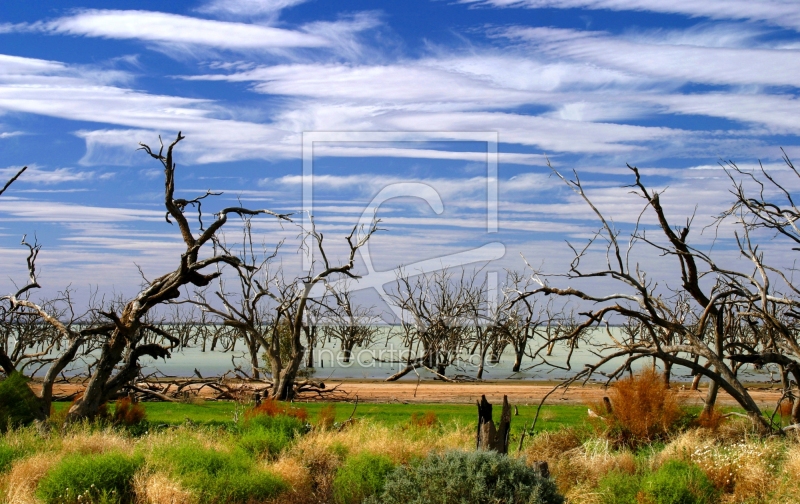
488	436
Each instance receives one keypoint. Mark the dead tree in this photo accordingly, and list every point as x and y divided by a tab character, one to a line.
118	362
45	336
272	310
769	296
523	318
343	320
436	320
665	335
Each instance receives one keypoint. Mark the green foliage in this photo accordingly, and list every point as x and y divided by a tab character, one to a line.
265	435
7	456
675	482
18	403
468	478
287	425
618	487
678	482
360	477
218	476
263	442
103	478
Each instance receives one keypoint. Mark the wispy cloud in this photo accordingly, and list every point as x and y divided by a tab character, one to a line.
37	175
684	63
777	12
247	8
169	28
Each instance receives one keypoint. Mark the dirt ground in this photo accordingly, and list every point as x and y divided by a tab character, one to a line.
518	392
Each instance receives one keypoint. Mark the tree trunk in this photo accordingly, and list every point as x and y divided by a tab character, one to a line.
488	437
347	350
711	397
519	353
667	373
95	394
283	389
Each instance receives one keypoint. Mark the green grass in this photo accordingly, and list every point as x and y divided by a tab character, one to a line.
106	478
217	476
552	417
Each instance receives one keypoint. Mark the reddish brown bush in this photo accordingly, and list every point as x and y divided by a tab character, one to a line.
271	407
427	419
326	417
785	408
643	409
127	412
711	419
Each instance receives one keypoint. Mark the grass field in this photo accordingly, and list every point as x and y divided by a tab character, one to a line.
646	449
551	417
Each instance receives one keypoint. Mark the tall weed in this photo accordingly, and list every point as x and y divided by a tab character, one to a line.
104	478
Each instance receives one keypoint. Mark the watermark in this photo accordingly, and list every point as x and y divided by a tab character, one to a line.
391	356
376	280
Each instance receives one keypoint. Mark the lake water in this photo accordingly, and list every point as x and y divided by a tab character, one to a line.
367	363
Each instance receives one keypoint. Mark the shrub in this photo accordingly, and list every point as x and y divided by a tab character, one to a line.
678	482
618	487
106	478
128	413
326	417
273	408
467	477
18	403
217	476
7	457
360	477
644	409
427	419
260	442
710	419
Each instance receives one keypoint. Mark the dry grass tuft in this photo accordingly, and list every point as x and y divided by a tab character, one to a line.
159	489
683	446
25	476
85	441
301	484
550	445
577	471
744	470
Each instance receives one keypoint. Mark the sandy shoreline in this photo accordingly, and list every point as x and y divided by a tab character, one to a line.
518	392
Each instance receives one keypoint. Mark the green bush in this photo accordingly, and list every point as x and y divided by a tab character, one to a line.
266	435
467	478
675	482
678	482
360	477
7	457
104	478
260	442
18	404
218	476
288	425
618	487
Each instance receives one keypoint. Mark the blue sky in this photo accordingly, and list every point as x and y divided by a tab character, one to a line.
671	87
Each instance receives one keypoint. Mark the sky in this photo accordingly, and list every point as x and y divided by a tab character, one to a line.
446	111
